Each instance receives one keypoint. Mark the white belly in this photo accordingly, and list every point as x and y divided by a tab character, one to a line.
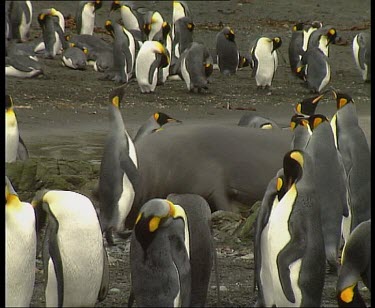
327	78
185	74
125	202
20	239
266	66
142	67
10	71
88	20
11	142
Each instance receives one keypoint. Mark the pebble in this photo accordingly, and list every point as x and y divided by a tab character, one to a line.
249	256
114	290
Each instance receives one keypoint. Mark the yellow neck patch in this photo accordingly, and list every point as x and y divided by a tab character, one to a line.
12	201
115	101
156	116
342	102
317	121
154	223
297	156
279	184
347	294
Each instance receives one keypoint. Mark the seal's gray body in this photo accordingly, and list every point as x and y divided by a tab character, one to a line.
220	163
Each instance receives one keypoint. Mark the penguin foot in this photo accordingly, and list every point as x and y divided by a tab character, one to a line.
109	238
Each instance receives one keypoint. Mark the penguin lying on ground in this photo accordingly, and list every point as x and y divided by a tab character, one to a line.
85	16
154	123
75	57
355	266
75	261
22	66
256	121
362	54
118	171
291	267
20	242
194	66
15	148
171	252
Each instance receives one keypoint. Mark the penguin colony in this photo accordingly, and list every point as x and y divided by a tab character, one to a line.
317	202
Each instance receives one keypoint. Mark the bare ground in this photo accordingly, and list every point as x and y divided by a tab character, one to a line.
64	114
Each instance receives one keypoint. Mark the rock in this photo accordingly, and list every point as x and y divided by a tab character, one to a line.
114	290
226	221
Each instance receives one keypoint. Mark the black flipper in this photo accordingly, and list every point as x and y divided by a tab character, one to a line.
131	299
51	250
104	286
129	168
293	251
154	66
22	152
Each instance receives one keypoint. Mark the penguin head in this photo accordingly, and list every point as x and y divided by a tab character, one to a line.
331	36
153	215
42	17
11	197
342	99
115	5
208	69
316	119
298	27
229	34
280	187
293	166
166	29
276	43
308	105
161	118
244	61
8	102
316	24
116	95
158	48
298	119
300	71
189	24
97	5
109	27
350	297
147	28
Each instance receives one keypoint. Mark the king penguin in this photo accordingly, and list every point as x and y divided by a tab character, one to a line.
265	60
362	54
330	185
20	18
53	34
124	49
180	10
75	261
315	69
355	266
15	148
22	66
299	125
20	239
307	106
228	55
351	143
295	50
257	121
154	123
195	66
75	57
153	23
85	16
315	25
180	227
152	56
292	246
118	171
322	39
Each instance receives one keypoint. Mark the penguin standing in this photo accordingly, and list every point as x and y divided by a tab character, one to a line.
195	66
180	10
20	18
228	55
265	60
292	246
183	37
152	56
295	50
330	185
74	57
362	54
75	261
355	266
315	69
15	148
315	25
85	16
118	171
154	123
301	132
164	38
322	39
132	16
351	143
20	239
53	34
124	49
171	252
153	23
